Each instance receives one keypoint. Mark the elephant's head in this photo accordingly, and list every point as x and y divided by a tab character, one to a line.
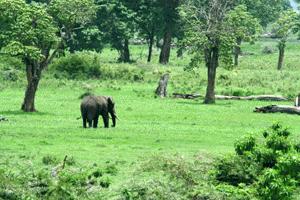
111	110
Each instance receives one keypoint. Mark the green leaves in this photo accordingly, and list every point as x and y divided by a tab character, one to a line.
28	29
285	24
72	14
242	24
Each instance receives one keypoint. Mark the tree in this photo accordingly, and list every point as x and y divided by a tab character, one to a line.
266	11
170	17
117	22
149	21
207	33
282	29
244	28
31	33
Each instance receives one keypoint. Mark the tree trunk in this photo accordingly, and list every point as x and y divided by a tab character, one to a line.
237	51
33	73
166	47
180	52
124	52
151	41
212	61
281	48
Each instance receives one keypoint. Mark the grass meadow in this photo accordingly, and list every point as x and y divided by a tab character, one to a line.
147	126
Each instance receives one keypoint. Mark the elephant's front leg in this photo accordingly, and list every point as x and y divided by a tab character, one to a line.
84	122
105	117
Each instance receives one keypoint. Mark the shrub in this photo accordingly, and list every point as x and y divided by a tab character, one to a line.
246	144
11	63
268	50
11	75
235	170
50	160
271	167
273	186
289	166
81	65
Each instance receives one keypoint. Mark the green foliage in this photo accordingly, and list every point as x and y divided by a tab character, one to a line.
265	10
235	170
245	145
285	24
271	185
27	182
268	50
272	167
28	28
75	66
244	26
50	160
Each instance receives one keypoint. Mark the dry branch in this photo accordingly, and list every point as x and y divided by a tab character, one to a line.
278	109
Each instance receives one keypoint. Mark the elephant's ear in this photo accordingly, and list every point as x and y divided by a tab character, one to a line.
110	102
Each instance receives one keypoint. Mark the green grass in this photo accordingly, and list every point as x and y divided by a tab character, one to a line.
147	125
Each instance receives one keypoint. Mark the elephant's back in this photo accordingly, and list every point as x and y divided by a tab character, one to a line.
88	102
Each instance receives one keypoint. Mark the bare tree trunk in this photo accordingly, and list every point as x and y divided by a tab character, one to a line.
166	47
33	72
237	51
161	90
297	100
281	48
151	41
212	61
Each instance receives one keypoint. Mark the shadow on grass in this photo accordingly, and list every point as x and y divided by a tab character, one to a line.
20	112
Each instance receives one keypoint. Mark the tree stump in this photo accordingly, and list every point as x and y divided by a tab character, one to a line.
161	90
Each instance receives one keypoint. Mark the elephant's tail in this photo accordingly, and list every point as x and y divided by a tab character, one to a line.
78	118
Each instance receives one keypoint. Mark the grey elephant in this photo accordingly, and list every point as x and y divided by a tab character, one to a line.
93	106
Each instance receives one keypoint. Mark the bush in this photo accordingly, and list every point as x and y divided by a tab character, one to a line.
245	145
11	63
50	160
81	65
268	50
87	65
273	186
271	167
235	170
11	75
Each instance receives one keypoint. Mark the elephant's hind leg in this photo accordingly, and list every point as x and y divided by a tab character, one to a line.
90	123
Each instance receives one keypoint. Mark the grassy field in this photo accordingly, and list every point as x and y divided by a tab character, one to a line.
147	125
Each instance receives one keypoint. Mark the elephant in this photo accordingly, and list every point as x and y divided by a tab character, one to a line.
93	106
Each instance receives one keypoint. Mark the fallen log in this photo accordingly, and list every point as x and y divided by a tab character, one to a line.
186	96
224	97
278	109
2	118
254	97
